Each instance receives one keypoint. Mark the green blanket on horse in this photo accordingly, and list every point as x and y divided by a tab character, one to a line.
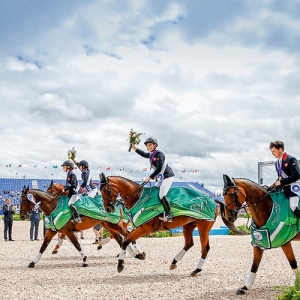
184	202
86	206
281	226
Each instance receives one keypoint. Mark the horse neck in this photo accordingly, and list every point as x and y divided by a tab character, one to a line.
259	203
130	192
47	204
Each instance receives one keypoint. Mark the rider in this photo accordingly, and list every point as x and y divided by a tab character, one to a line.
288	171
163	174
71	186
87	185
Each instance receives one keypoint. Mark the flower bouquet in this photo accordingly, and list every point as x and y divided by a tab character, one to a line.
134	138
72	153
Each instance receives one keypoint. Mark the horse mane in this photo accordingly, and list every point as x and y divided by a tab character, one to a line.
115	176
253	182
38	190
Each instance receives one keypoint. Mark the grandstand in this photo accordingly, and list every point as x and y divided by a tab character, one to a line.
12	188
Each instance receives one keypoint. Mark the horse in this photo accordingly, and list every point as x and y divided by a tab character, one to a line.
131	192
56	189
34	198
241	193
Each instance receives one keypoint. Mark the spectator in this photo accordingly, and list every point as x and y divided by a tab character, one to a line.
8	211
98	230
34	226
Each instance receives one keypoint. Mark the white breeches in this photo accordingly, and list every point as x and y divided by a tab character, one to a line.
73	199
165	186
294	202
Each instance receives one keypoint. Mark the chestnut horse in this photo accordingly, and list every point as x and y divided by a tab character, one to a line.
56	189
241	193
131	192
34	198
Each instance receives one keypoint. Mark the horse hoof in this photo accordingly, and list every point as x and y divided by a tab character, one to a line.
241	291
141	256
84	265
195	272
99	247
172	267
120	267
54	252
31	265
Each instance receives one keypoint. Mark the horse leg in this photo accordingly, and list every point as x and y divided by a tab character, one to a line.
132	236
188	243
257	256
289	253
70	234
59	243
48	237
204	228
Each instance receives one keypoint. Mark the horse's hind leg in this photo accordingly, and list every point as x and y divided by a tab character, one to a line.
188	243
70	234
204	228
48	237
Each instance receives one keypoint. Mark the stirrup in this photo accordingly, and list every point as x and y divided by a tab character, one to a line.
77	220
163	218
169	218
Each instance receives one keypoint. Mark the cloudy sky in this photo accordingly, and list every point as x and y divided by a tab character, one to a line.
214	81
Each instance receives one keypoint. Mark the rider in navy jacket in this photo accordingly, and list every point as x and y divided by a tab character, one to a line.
163	174
288	172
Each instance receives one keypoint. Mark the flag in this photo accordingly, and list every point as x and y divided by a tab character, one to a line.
183	171
144	169
35	166
122	169
98	168
54	167
20	165
45	168
108	169
195	171
8	166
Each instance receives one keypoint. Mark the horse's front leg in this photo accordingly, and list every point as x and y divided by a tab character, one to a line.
257	256
134	235
70	234
48	237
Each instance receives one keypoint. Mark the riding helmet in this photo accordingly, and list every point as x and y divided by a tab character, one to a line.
83	163
151	140
68	163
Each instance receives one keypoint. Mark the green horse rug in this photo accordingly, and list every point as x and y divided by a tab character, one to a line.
86	206
184	202
281	227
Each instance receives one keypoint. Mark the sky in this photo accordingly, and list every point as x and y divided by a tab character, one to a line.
213	81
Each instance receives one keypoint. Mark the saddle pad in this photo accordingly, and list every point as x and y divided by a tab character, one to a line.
281	226
86	206
184	202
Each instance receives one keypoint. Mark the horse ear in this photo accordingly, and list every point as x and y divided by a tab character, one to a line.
51	184
227	181
27	189
102	177
24	189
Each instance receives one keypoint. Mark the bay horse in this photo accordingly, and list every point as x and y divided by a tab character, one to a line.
241	193
34	198
56	189
131	192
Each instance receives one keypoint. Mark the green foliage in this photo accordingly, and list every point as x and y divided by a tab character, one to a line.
242	228
159	234
293	292
16	217
245	216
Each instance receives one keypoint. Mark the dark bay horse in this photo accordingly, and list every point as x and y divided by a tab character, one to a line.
56	189
130	192
243	193
34	198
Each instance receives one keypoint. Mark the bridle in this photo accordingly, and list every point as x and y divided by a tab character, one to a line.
119	201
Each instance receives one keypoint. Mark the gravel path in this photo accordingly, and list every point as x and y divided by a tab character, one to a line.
61	277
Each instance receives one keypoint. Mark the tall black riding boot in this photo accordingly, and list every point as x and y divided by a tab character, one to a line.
297	212
75	212
166	204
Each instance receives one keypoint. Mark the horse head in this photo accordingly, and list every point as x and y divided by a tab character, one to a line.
234	197
25	205
109	195
56	189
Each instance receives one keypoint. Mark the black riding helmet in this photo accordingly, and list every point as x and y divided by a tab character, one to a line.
68	163
151	140
83	163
